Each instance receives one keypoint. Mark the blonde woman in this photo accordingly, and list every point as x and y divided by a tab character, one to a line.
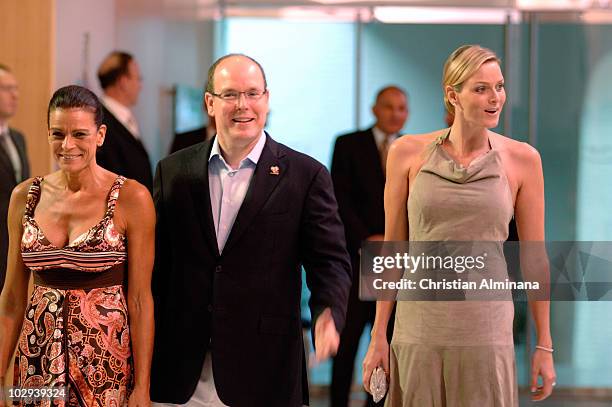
463	183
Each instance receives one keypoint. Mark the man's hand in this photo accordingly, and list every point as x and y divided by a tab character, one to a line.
326	336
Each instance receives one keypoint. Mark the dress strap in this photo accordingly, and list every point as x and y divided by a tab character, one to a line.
113	195
33	196
492	141
432	146
440	139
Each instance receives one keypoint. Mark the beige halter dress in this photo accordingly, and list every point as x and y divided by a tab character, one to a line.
455	353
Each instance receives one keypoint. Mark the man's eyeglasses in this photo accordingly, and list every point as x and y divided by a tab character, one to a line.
233	95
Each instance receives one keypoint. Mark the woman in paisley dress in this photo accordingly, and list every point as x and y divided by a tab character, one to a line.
88	327
463	183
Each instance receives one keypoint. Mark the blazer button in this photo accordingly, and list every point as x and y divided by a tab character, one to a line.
210	308
218	269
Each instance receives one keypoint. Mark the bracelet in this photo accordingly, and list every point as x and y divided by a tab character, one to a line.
545	349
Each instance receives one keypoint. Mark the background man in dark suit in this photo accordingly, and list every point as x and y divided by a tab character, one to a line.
237	217
189	138
122	152
359	180
14	165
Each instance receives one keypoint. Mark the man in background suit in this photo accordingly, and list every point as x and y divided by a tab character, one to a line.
14	165
189	138
358	173
122	152
238	216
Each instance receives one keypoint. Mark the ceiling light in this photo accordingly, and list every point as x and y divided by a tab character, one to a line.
444	15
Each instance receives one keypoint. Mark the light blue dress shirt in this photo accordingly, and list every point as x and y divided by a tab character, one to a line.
229	186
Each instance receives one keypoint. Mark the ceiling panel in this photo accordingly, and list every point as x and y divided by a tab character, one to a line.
199	9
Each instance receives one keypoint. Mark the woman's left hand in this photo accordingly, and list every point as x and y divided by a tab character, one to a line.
139	398
542	365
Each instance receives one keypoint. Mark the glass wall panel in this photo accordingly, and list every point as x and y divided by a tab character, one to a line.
574	123
413	56
311	76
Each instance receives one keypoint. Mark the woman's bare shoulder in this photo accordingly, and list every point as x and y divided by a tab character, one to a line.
518	150
134	205
408	153
134	193
21	190
19	196
415	144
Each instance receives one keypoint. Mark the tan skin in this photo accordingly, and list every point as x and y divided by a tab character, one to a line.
469	134
73	199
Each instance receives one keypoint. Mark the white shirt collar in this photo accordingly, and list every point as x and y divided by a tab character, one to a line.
253	155
4	129
121	113
380	135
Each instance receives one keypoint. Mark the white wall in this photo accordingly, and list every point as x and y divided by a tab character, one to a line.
74	19
168	52
310	69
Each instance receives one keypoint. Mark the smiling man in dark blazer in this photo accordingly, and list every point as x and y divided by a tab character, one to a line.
14	165
358	171
237	218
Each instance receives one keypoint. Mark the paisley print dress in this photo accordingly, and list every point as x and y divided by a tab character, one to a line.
75	332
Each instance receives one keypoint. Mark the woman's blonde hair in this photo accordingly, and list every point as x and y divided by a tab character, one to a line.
462	64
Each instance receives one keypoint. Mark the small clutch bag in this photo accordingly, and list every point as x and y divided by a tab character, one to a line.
378	384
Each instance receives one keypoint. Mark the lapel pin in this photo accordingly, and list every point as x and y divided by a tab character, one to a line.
274	170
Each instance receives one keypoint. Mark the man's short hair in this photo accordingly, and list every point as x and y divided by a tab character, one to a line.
390	87
210	85
5	68
113	67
